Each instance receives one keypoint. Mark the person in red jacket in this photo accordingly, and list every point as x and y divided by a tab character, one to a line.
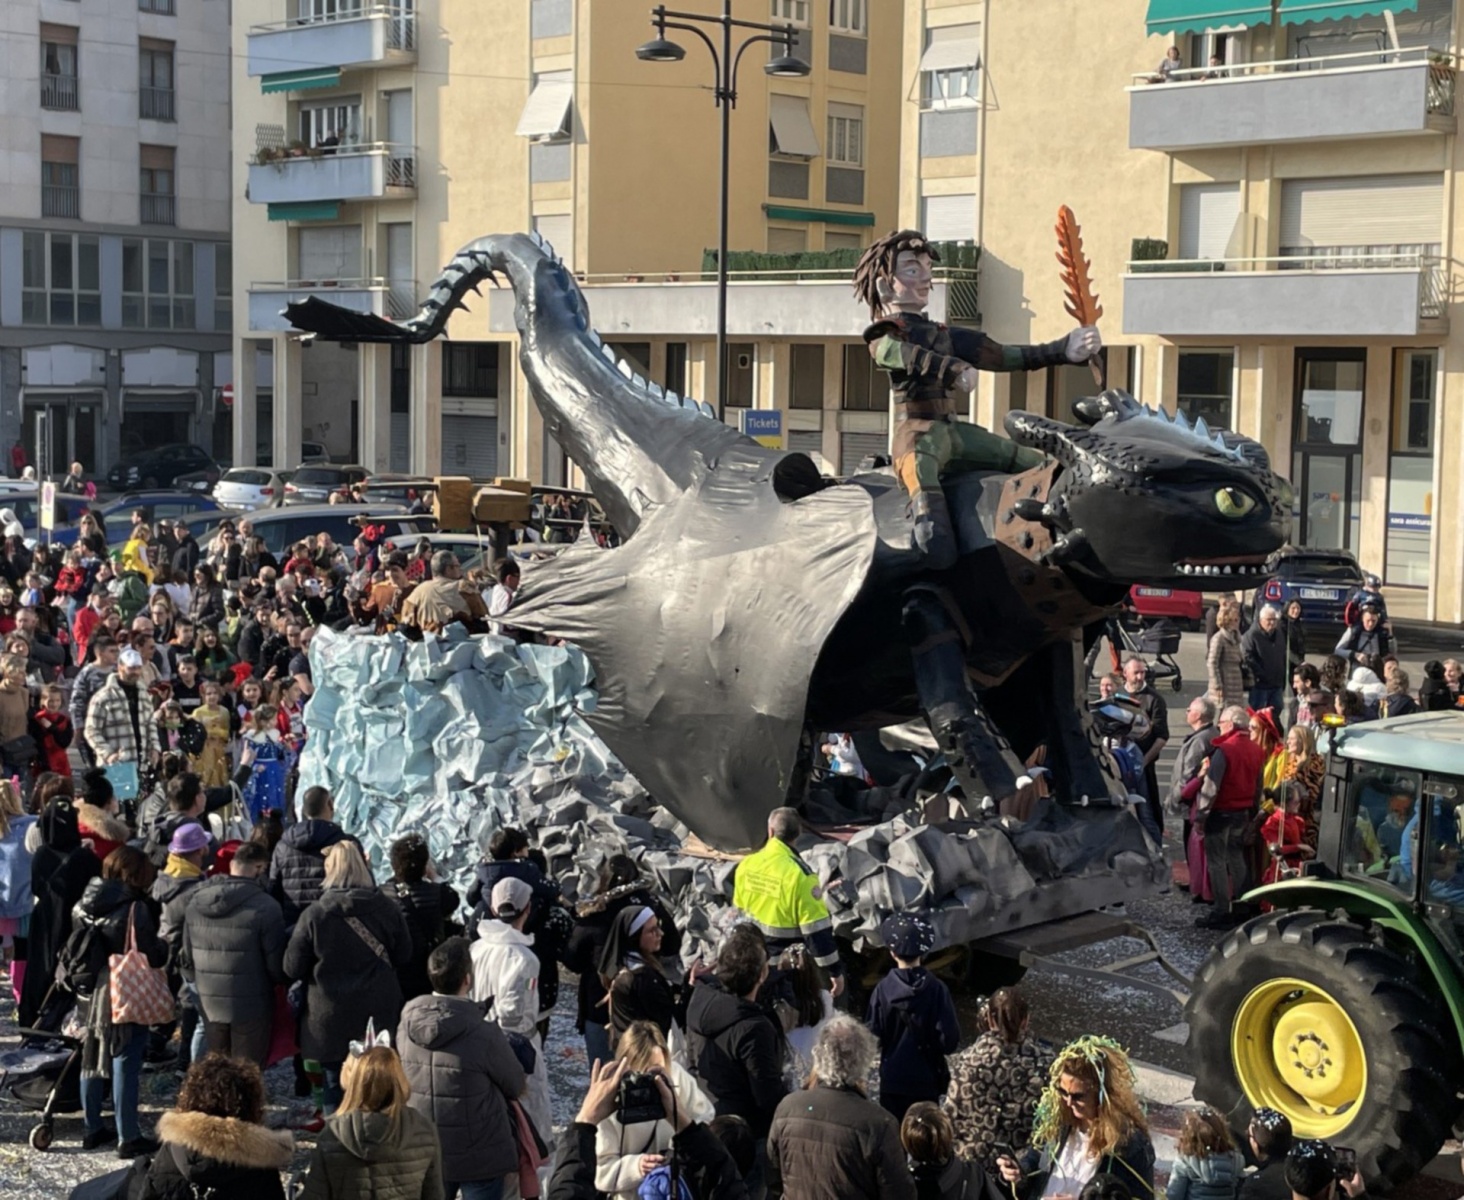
1284	834
50	726
1227	800
88	620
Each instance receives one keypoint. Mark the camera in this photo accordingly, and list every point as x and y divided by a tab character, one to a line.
639	1099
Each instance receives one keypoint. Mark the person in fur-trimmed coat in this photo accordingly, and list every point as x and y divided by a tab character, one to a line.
213	1142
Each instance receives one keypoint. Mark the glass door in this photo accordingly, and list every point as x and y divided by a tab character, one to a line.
1327	462
60	430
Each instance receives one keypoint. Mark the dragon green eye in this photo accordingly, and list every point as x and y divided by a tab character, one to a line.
1232	502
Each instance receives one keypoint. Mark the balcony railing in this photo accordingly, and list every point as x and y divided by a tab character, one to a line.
267	299
360	171
352	36
1442	68
164	7
155	104
60	201
60	92
159	210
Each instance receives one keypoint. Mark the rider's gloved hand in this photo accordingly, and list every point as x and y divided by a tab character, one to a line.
1083	343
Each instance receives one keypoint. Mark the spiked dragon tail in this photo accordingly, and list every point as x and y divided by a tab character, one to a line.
638	444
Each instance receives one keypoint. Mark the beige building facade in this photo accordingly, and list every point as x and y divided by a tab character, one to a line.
1272	226
374	142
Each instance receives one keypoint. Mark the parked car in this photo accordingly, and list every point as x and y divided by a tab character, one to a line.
161	466
313	484
251	487
1321	579
25	503
1168	604
468	548
117	513
283	527
389	488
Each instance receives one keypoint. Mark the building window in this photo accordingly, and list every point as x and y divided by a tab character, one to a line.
848	16
60	279
1411	493
950	67
1207	386
331	122
59	87
155	80
866	387
223	287
156	189
805	376
793	11
163	7
470	369
548	114
157	284
60	176
846	135
783	239
676	367
1413	412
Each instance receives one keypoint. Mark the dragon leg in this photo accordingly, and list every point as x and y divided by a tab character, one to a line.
1081	767
981	758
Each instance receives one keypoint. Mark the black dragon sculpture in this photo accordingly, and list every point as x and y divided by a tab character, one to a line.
754	599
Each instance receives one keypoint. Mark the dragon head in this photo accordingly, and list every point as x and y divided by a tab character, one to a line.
1142	497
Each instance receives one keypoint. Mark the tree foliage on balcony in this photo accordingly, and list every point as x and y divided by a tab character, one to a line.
962	257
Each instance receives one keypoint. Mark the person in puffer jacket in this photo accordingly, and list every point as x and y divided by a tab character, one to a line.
297	871
913	1016
1208	1166
462	1073
376	1145
214	1140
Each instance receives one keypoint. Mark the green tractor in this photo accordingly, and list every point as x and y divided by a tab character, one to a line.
1343	1006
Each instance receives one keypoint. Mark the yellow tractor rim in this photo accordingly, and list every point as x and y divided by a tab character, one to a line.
1296	1050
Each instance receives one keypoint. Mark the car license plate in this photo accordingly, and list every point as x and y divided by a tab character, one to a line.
1317	593
1143	591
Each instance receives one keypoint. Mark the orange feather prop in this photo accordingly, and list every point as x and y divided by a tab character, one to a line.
1082	305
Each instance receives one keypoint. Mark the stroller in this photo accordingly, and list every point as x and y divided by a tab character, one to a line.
1158	643
44	1072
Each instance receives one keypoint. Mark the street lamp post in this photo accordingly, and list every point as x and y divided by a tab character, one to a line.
724	74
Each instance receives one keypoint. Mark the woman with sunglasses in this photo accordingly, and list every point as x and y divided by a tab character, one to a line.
1089	1123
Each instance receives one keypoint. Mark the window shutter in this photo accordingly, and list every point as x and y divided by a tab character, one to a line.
558	231
1364	210
793	131
330	252
950	218
59	35
57	149
1207	216
156	158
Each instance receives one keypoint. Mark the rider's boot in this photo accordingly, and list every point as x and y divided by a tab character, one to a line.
933	534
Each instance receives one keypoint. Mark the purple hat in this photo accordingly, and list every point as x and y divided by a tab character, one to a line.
188	839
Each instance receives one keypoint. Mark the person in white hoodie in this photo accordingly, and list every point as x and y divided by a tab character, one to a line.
506	984
626	1154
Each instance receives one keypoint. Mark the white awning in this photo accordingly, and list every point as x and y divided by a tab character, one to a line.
951	54
793	131
546	112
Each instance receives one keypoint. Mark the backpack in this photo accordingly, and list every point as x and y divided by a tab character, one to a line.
132	594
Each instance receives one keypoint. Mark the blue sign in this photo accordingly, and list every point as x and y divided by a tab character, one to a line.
764	426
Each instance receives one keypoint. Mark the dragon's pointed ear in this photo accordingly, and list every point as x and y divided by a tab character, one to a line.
1112	403
1051	437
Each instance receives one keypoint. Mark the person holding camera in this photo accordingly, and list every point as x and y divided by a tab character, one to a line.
1317	1171
634	1140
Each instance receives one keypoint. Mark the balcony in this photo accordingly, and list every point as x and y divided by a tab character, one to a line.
159	210
59	200
380	35
760	304
267	300
60	92
1373	295
1393	93
367	171
155	104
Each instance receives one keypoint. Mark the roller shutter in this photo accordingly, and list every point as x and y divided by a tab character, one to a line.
950	218
470	446
1364	210
854	447
401	442
1207	216
805	441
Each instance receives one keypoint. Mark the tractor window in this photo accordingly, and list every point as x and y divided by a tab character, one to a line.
1443	857
1379	843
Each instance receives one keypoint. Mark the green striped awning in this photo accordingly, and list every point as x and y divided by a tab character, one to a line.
300	81
829	216
1195	16
306	210
1299	12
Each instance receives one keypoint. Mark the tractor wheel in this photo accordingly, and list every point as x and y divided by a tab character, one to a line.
1313	1016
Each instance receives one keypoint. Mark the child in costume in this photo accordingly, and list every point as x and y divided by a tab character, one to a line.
212	764
1284	833
265	788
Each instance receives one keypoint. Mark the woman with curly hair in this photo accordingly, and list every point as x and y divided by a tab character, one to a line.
1089	1123
1306	767
997	1081
214	1142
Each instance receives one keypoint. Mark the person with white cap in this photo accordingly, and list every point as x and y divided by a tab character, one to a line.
119	724
506	984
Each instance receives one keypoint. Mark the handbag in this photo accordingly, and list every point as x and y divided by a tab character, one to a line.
123	778
140	992
20	751
111	1186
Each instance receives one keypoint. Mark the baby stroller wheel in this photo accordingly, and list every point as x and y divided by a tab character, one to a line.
42	1135
1177	683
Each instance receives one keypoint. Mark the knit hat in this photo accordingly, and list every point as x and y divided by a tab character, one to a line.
510	897
907	935
188	838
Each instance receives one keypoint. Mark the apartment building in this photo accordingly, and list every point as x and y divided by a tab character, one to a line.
374	141
1272	229
115	270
